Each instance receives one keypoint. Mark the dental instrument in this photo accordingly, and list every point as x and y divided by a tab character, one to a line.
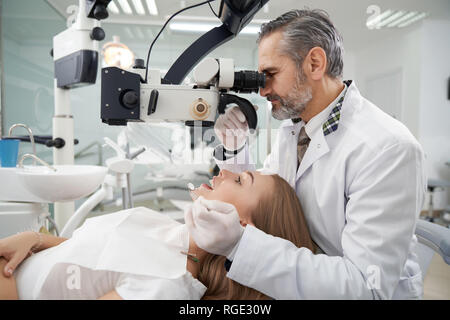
191	188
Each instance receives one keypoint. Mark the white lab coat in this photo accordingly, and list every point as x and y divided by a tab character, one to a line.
361	188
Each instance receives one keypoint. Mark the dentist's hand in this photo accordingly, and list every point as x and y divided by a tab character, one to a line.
214	225
232	128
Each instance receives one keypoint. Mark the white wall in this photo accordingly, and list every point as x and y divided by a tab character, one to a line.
434	118
349	65
399	52
421	57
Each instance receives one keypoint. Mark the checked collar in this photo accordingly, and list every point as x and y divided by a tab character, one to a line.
332	122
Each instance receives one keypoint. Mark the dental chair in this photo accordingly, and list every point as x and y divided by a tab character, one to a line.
432	238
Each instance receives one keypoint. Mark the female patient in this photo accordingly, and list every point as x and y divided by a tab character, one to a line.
115	256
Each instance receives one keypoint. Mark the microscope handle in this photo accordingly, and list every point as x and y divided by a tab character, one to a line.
246	107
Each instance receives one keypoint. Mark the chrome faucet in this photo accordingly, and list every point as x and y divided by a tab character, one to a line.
30	133
28	155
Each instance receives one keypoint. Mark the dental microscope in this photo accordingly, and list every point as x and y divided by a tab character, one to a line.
141	94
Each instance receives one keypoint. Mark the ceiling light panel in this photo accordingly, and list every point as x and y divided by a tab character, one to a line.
372	23
391	19
113	7
205	27
402	19
138	6
152	9
192	27
125	6
412	20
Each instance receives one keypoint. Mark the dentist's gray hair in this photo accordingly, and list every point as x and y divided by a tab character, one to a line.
305	29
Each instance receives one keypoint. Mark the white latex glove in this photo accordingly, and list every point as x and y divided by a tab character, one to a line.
232	128
214	225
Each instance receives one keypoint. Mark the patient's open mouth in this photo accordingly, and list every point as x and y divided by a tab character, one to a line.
204	185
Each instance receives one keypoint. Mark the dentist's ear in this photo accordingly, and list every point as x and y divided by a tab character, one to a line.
316	63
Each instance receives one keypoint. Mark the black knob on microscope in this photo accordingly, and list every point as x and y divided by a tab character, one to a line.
130	99
139	64
97	34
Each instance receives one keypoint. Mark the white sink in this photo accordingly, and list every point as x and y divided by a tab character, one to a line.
41	184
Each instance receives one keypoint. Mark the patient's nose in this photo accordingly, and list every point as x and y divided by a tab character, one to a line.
225	174
218	178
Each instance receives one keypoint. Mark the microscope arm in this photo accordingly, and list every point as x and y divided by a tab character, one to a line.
235	15
196	52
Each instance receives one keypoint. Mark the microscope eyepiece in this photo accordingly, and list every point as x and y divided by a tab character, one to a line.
248	81
97	9
100	12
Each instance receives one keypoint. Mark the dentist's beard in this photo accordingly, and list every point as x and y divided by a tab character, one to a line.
294	104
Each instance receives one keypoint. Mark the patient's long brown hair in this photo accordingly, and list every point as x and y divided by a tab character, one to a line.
279	214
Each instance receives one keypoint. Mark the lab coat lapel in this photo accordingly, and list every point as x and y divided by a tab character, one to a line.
317	148
318	145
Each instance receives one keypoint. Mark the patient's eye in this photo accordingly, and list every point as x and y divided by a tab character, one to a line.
238	180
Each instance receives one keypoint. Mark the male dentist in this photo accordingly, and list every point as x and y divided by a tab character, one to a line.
358	172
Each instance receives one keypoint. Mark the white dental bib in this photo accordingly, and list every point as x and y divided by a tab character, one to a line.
136	241
139	241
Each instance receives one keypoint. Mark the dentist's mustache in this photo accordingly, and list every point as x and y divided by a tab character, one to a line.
274	97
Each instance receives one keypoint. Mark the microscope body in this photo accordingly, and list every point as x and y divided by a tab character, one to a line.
75	50
126	98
